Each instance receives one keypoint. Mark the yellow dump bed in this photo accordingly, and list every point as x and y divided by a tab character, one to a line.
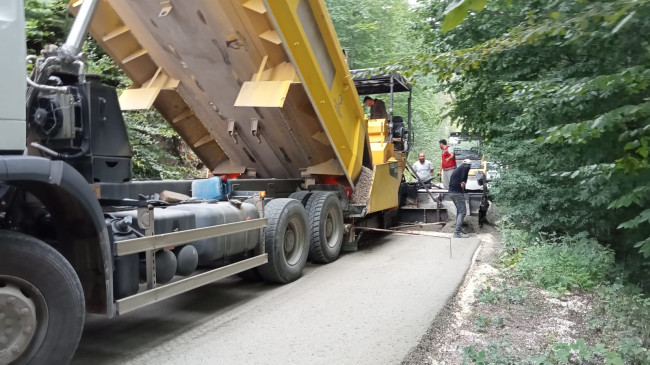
254	87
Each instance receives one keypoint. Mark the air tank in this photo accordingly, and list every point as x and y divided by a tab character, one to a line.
187	259
165	266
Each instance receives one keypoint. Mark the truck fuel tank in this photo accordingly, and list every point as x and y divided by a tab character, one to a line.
206	215
189	216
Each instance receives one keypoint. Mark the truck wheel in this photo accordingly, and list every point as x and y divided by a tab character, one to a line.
286	241
301	196
41	300
325	227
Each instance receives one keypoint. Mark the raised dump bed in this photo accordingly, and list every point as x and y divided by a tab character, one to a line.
255	88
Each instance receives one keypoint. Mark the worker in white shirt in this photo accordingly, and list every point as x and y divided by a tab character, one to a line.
423	168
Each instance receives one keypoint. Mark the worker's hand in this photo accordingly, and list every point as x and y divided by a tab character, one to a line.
462	185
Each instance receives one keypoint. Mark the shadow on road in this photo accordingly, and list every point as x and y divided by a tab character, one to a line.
107	341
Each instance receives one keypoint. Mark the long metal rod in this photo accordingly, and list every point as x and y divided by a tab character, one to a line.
77	34
386	230
390	121
127	247
410	128
418	225
428	234
140	300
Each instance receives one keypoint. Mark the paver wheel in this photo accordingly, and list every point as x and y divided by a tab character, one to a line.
286	241
325	227
41	302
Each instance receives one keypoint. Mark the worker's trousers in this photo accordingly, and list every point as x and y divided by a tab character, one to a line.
461	210
446	176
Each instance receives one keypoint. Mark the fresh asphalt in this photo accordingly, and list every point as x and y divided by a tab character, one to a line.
368	307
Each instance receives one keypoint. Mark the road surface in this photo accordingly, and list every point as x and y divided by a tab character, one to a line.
369	307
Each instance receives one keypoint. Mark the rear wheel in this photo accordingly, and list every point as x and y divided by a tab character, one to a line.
302	196
325	227
41	301
286	241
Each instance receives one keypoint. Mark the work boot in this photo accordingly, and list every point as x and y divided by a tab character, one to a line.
460	235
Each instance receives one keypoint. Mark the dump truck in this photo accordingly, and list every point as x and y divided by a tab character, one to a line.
261	93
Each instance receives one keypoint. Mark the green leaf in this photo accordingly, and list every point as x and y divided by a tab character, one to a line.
455	14
455	4
622	23
613	358
636	221
644	247
477	5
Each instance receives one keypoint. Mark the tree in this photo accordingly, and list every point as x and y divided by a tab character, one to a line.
373	31
559	90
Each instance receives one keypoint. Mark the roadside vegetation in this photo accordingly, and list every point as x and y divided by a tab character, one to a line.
559	91
557	300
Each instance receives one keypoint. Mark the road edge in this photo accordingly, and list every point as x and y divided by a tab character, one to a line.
418	353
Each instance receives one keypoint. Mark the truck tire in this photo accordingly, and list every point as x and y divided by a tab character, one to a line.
302	196
326	228
286	241
42	297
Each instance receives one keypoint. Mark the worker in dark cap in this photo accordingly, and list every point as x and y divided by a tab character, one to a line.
377	108
457	195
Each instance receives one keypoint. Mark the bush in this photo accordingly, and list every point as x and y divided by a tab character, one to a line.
621	311
560	264
498	352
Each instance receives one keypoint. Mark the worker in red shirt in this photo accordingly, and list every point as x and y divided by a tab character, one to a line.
448	162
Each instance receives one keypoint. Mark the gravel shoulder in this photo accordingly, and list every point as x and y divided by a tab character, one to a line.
512	320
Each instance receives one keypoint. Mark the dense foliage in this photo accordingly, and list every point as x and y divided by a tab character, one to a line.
559	89
373	32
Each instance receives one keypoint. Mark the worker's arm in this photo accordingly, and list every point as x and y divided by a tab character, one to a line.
464	177
452	154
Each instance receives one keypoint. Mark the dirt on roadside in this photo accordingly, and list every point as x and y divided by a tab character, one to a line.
513	320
